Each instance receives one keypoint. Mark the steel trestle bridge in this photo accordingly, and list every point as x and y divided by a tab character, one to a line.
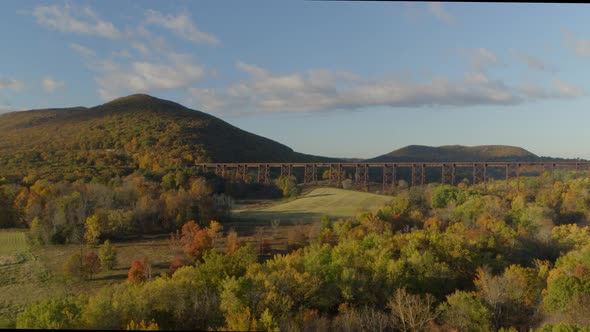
389	170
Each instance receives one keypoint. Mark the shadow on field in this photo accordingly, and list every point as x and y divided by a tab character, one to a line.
316	195
246	223
111	277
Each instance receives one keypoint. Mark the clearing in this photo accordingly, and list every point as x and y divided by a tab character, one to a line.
336	203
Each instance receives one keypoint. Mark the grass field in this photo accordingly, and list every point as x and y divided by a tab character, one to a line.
21	276
37	274
278	221
336	203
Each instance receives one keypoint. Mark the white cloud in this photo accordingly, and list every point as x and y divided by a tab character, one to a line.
72	19
437	10
322	90
182	25
568	90
533	62
482	58
50	85
581	47
560	90
142	76
82	50
141	48
11	84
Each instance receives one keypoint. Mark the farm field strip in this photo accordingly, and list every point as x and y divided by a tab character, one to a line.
13	243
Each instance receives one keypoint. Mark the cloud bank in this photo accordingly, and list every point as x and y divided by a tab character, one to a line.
323	90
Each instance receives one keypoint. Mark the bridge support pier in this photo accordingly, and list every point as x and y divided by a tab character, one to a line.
335	174
362	176
310	173
480	173
263	174
389	176
448	174
243	172
418	174
286	170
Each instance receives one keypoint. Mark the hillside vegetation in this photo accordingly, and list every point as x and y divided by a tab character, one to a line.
458	153
137	132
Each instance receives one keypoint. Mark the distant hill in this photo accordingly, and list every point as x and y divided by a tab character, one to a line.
126	134
458	153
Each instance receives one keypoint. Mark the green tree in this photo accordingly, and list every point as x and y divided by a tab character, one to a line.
108	255
74	266
464	311
53	314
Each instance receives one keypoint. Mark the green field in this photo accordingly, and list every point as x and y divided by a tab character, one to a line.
336	203
13	243
21	275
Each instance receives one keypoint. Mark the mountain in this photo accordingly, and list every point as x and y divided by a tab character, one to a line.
126	134
458	153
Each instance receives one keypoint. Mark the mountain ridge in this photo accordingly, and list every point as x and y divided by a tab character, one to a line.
457	153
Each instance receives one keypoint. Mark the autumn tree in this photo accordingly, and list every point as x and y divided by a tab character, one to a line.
93	229
176	263
232	242
195	241
91	264
142	326
82	266
136	273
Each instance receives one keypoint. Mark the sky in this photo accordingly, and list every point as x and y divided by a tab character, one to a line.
332	78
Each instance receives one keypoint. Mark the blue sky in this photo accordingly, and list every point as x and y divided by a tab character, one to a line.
342	79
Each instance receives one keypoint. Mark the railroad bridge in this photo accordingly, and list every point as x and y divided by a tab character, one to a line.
389	172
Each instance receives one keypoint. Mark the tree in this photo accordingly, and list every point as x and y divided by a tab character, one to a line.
136	273
142	326
57	314
287	185
466	312
74	266
411	312
91	264
176	263
93	229
442	195
108	255
195	241
232	243
39	231
8	216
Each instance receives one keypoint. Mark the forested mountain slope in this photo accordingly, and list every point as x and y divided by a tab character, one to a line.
126	134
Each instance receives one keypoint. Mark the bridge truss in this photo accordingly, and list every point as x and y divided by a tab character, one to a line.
361	173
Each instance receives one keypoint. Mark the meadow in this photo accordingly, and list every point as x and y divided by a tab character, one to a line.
30	273
319	202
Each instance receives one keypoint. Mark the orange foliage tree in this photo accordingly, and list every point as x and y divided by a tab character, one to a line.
136	272
195	241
